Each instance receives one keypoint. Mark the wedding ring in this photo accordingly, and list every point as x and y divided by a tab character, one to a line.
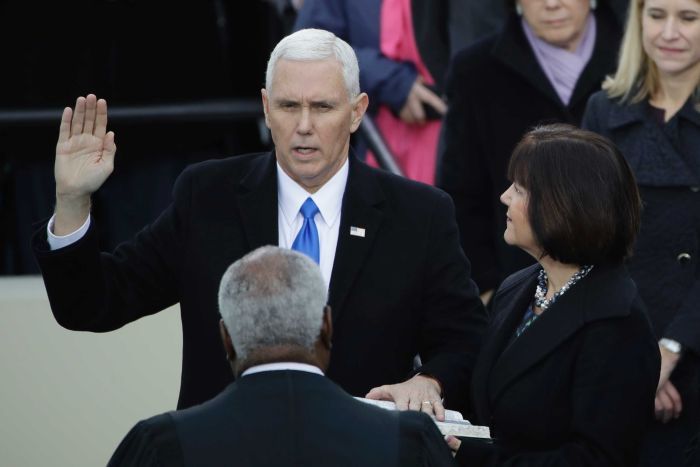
428	402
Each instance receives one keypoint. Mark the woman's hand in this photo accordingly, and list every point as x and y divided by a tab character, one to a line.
668	404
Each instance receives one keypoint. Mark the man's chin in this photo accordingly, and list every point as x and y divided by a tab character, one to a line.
307	177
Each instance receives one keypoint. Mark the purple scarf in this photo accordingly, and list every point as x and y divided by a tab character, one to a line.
561	66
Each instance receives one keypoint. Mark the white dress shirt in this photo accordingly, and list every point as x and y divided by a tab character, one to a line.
329	200
290	196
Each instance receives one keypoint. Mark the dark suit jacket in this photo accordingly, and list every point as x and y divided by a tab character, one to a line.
577	387
402	289
496	92
284	418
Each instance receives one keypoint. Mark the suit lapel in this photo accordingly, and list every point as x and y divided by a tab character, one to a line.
655	159
552	328
511	304
362	209
257	203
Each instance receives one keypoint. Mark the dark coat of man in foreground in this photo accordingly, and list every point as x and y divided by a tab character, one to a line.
281	410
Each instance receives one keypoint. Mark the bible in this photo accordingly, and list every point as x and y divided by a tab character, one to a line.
454	423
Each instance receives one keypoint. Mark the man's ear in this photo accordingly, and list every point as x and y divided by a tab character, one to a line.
266	106
326	328
359	107
226	339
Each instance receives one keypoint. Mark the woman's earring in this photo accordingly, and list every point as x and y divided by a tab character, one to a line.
594	4
519	8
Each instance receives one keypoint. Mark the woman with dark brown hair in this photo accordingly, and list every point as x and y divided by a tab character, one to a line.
568	371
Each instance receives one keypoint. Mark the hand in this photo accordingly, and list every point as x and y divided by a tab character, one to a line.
669	360
84	160
420	393
668	403
453	443
84	153
412	110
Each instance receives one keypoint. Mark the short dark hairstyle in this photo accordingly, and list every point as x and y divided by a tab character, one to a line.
583	202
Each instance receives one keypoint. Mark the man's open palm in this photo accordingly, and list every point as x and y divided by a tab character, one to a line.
85	151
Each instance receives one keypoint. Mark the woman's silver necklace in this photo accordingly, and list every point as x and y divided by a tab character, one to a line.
541	291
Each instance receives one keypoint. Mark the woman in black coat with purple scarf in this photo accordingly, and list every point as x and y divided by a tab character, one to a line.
532	72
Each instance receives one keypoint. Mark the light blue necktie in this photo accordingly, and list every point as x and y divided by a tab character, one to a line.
307	238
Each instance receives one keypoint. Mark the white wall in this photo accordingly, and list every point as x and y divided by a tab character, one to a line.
67	398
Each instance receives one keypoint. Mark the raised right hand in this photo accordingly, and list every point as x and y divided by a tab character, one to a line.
84	160
84	152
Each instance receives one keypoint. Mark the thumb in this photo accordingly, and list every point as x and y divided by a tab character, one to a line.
432	99
379	393
109	148
452	442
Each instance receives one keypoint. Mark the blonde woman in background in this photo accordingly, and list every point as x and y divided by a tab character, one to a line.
650	109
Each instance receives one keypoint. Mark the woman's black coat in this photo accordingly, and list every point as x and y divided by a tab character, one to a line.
496	92
577	387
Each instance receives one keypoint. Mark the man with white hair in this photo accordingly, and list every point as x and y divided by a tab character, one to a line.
388	248
276	329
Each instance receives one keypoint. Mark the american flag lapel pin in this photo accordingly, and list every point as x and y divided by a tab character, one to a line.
357	231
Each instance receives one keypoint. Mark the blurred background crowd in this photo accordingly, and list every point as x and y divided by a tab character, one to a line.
187	78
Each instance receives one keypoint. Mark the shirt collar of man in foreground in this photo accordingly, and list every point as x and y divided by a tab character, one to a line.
280	366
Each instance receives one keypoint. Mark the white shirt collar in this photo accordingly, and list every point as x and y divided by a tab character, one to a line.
279	366
329	198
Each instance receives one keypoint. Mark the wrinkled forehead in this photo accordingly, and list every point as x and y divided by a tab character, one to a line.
317	79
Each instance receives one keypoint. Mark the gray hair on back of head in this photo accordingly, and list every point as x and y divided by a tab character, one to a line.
272	297
312	45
